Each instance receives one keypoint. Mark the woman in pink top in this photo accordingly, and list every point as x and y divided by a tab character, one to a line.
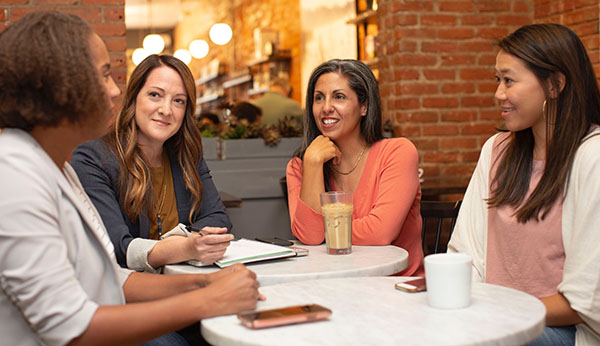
344	150
531	212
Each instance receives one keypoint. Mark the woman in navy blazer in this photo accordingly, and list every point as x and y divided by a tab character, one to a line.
147	176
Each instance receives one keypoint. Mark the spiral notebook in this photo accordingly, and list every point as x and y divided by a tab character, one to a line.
247	251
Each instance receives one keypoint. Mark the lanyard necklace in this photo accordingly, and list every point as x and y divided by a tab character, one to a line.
354	166
162	199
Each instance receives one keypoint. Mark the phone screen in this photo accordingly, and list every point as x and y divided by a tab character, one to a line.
276	241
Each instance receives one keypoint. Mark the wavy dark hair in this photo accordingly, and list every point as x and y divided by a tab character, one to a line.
47	74
362	81
548	50
135	180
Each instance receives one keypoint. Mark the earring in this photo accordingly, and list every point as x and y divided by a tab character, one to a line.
544	107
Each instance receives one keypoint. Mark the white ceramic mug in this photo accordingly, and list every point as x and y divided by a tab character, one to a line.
448	277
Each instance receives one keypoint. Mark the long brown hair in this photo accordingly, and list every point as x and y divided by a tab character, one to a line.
362	81
135	179
548	50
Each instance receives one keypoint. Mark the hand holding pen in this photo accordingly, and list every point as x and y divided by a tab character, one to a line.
207	244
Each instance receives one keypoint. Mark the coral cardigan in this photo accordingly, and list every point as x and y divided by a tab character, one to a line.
386	202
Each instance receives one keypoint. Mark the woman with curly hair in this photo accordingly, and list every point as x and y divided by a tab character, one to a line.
148	176
60	283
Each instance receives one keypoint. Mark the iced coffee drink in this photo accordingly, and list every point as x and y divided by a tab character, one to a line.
336	208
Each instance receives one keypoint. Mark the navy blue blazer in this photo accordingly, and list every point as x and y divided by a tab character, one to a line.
98	169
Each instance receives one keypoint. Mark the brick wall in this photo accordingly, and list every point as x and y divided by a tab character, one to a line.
580	15
107	18
437	79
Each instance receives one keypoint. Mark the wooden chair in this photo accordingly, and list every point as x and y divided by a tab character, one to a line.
442	215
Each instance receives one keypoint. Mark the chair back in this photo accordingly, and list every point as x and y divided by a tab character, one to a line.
439	217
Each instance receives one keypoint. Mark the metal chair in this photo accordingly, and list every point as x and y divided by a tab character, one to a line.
443	216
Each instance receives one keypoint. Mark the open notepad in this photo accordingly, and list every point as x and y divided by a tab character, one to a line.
246	251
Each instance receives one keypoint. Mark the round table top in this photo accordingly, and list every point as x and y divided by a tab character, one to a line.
369	310
363	261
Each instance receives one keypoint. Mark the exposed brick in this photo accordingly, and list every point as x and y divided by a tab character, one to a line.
477	129
417	117
415	5
18	12
118	60
415	60
440	102
116	44
405	74
521	6
476	73
470	156
404	19
112	29
493	6
418	89
103	2
406	103
579	16
487	59
90	15
56	2
458	88
440	130
513	20
476	46
440	157
492	33
408	46
120	76
14	2
414	33
490	114
477	101
585	29
438	20
114	14
453	60
3	14
456	6
407	130
459	115
476	20
439	47
484	87
439	74
458	33
426	143
457	170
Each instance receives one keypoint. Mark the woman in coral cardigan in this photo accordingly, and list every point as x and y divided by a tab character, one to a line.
344	150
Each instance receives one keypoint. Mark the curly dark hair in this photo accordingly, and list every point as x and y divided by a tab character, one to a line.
47	72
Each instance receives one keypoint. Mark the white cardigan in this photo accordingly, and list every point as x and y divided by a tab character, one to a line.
57	264
580	232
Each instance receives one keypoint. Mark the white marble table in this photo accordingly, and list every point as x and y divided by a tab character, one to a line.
363	261
370	311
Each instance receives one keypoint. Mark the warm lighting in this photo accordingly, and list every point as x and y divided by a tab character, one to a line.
183	55
139	55
220	33
153	44
198	49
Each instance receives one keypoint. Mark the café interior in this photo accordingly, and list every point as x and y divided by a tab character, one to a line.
434	63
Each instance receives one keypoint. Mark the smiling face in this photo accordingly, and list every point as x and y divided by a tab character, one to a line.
160	107
336	109
520	94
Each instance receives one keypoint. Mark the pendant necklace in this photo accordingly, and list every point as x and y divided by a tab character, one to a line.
354	166
162	200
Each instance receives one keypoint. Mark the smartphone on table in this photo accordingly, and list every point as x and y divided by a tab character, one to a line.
412	286
284	316
275	241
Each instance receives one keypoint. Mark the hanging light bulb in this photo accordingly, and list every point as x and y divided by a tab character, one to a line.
183	55
220	33
198	49
153	44
139	55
